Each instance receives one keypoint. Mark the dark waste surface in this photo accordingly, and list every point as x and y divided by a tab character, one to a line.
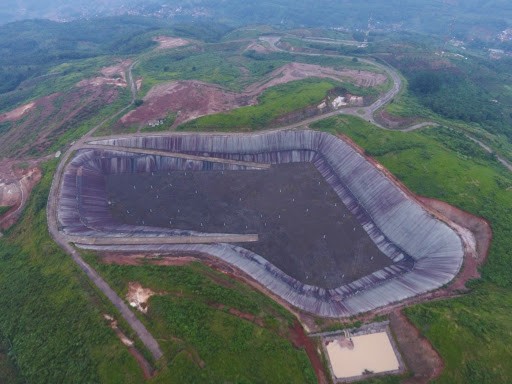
304	228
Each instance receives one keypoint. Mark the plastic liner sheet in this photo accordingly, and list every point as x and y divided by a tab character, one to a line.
426	252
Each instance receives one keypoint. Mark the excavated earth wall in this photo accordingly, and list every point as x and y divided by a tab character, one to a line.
426	252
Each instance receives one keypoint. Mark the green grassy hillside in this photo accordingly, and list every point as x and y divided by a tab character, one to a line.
473	333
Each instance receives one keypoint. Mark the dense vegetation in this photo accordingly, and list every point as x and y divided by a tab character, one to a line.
51	322
30	48
454	94
225	63
472	333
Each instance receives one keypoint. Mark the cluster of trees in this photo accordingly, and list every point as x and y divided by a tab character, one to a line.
470	90
29	48
455	97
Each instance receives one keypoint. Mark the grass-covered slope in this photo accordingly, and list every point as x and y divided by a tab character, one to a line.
273	103
29	48
51	321
195	318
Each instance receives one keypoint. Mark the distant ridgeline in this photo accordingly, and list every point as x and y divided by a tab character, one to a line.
454	17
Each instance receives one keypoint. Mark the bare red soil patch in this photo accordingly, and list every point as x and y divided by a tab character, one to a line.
300	340
17	113
392	121
146	368
141	259
241	315
52	115
167	42
258	47
114	75
300	71
420	356
35	125
189	99
193	99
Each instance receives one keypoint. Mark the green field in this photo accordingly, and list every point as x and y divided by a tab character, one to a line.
199	335
185	64
4	209
225	64
8	372
473	333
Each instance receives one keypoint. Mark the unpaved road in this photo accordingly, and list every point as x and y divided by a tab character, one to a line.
488	149
191	99
368	113
51	210
362	112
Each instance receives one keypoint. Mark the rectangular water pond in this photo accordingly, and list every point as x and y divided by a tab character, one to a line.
362	355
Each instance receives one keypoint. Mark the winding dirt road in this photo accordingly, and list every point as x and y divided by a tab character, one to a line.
368	113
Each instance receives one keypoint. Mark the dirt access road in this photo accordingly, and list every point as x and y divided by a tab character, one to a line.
362	112
368	113
51	210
